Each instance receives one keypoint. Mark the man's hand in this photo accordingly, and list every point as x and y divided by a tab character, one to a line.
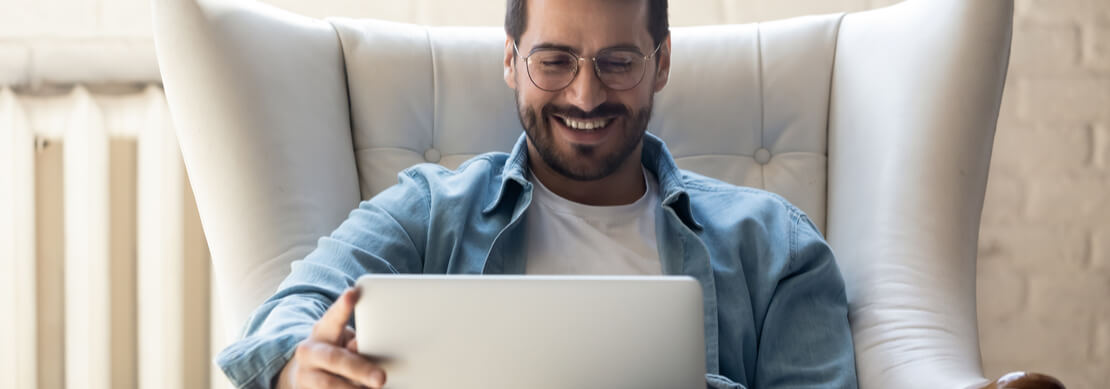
329	357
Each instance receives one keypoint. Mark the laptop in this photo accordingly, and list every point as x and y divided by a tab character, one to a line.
489	332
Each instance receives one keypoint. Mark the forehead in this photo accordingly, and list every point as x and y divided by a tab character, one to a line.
587	25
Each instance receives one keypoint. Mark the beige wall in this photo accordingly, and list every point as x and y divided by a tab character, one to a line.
1044	263
1044	268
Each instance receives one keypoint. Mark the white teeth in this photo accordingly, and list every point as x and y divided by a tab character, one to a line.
586	125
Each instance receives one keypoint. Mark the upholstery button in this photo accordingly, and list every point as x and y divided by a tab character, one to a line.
762	156
432	155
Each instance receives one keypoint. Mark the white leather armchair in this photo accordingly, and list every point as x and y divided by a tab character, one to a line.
878	124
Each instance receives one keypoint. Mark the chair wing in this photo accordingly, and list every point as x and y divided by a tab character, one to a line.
259	100
916	93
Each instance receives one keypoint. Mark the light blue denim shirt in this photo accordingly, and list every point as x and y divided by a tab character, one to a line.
776	315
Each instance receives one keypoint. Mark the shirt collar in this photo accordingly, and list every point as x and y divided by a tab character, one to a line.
655	158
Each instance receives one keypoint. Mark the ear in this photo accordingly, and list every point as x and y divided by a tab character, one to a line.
663	71
510	61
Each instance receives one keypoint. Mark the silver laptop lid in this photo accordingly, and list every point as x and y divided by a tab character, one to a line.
482	332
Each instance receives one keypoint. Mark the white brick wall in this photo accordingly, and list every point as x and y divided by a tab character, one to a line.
1065	98
1100	157
1044	268
1097	54
1044	265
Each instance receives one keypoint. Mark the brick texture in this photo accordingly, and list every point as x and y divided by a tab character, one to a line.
1003	289
1097	55
1100	252
1101	350
1063	10
1021	150
1100	157
1077	199
1074	99
1045	49
1074	299
1005	200
1060	249
1020	344
1044	269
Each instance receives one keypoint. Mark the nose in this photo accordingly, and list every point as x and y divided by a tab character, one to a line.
586	91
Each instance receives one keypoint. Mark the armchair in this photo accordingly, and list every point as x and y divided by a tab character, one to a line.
878	124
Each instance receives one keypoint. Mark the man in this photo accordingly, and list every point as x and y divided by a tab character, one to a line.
585	191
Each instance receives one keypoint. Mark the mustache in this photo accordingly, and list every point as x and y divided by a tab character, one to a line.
602	111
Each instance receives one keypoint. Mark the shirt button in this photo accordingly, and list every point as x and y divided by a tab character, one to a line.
762	156
432	155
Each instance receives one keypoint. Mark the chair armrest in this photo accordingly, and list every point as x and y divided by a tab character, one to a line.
1024	380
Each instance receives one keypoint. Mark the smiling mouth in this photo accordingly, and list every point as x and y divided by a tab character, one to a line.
584	125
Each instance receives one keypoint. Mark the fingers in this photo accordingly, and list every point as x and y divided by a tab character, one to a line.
352	345
341	362
316	378
346	337
330	356
331	325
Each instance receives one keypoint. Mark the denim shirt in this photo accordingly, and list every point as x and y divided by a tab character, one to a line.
776	315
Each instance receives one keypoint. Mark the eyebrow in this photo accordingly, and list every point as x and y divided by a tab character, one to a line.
556	46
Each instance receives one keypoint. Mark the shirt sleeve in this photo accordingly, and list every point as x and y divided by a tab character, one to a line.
806	341
714	381
385	234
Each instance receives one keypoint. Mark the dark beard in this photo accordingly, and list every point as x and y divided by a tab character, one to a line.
540	134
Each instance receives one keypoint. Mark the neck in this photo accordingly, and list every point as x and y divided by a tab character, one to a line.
624	186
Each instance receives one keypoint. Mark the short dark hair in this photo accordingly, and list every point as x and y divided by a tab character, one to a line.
516	17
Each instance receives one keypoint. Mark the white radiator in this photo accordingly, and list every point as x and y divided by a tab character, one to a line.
104	273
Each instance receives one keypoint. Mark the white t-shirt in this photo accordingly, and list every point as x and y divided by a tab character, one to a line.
565	237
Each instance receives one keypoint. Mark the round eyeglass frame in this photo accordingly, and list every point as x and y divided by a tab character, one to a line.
597	69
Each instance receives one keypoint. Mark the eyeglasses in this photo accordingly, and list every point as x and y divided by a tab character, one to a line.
554	69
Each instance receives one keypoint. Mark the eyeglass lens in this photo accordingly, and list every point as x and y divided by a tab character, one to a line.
555	69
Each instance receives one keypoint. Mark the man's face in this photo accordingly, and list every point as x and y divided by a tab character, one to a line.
588	129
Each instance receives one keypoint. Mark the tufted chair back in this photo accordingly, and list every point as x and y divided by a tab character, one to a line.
877	124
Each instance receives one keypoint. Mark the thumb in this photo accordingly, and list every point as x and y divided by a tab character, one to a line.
331	326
